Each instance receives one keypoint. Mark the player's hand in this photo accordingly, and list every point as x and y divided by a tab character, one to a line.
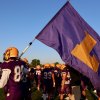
54	84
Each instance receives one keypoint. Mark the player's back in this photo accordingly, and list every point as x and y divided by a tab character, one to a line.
47	74
16	68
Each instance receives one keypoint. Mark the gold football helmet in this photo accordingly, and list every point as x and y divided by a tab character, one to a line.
52	65
25	60
11	52
62	66
58	65
47	65
38	67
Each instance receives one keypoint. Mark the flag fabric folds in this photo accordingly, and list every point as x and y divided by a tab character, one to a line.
76	42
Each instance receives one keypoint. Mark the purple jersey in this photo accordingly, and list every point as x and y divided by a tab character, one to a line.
47	74
57	76
38	76
38	73
66	77
48	80
14	84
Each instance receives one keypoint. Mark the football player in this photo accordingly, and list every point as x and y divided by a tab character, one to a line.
57	76
48	80
38	77
26	82
65	84
12	70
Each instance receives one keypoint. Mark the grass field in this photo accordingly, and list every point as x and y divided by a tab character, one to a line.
36	95
2	97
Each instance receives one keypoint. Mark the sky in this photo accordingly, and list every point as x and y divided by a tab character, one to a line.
22	20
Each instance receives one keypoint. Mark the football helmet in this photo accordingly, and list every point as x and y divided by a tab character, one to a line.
11	52
25	60
52	65
58	65
62	66
46	65
38	67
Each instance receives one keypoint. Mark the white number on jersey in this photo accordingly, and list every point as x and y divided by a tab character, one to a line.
47	75
18	73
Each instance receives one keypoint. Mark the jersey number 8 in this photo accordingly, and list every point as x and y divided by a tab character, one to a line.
17	73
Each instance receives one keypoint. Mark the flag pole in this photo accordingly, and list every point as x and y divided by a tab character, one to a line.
30	43
27	47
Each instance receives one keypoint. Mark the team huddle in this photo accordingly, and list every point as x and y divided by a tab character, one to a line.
17	77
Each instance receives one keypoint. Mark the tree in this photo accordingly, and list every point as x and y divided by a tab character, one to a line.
35	62
56	63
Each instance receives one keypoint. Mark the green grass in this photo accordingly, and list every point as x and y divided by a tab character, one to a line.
2	96
37	95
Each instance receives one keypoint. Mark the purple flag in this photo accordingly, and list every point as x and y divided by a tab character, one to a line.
76	42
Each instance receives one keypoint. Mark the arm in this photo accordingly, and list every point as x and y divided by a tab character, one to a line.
4	77
53	79
63	80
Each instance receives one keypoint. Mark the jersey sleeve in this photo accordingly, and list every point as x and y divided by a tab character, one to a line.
4	77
